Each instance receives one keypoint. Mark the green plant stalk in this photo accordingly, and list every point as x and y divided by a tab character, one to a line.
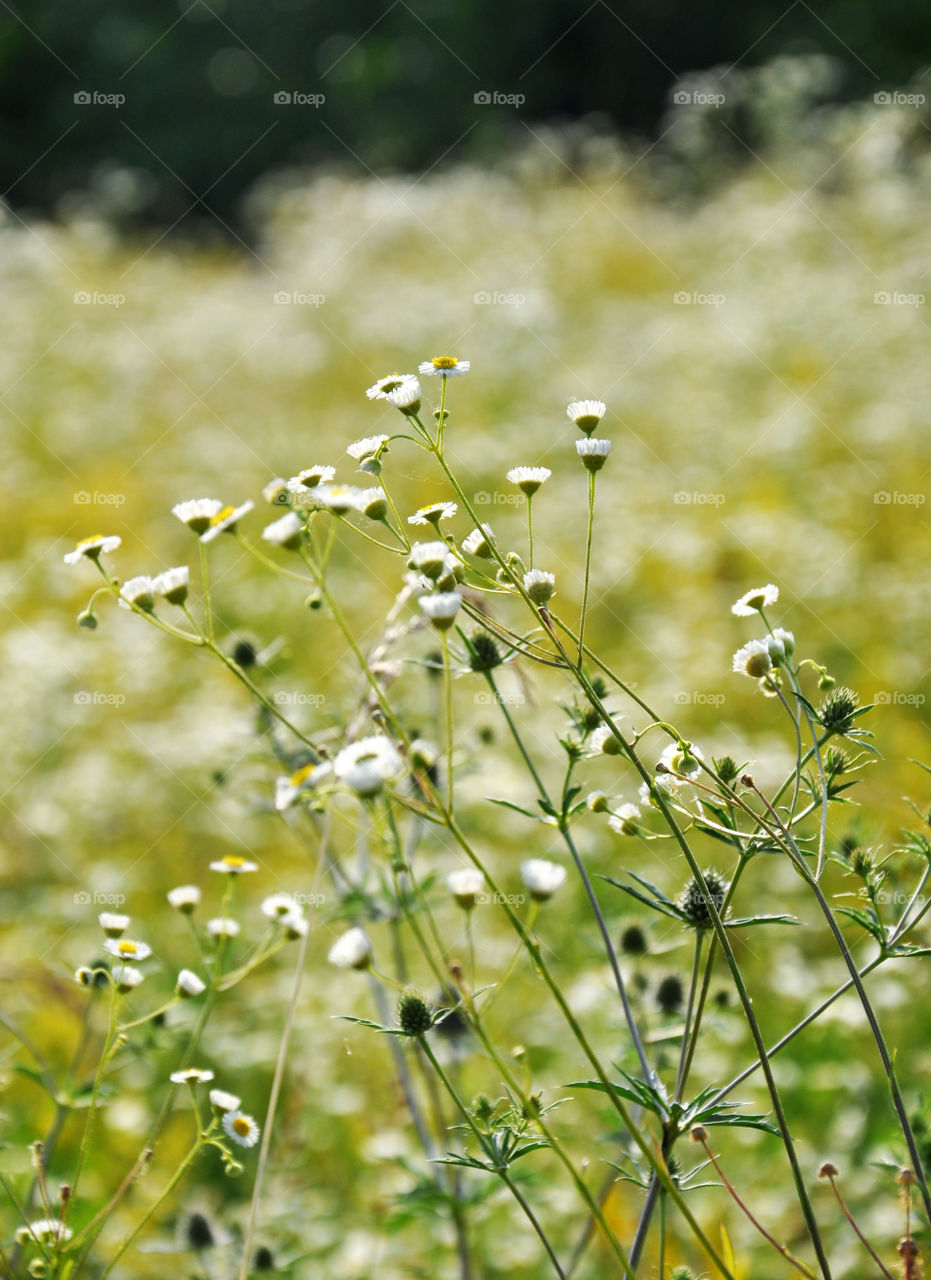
588	563
105	1055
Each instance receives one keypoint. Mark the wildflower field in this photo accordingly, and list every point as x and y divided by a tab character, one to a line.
756	359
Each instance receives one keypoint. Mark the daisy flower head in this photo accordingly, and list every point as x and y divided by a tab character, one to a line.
139	591
191	1075
185	898
681	758
222	1101
625	820
756	600
44	1231
368	447
542	878
540	586
127	949
448	366
113	924
173	584
352	950
223	927
92	548
241	1128
126	977
279	904
753	659
594	453
197	513
338	498
433	513
529	479
381	389
465	885
373	503
406	397
275	492
233	865
285	532
189	985
365	766
478	542
287	789
294	925
310	478
781	645
225	521
603	741
442	608
429	558
586	414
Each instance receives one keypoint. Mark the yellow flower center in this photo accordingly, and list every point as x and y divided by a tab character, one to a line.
231	860
127	948
88	542
444	362
242	1126
223	514
302	775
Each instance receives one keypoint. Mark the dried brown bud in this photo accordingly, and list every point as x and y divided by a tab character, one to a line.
698	1133
828	1170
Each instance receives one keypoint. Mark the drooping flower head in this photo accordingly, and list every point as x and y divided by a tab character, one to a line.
92	548
756	600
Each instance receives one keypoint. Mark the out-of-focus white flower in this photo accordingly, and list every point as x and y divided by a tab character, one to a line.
139	591
285	532
603	740
191	1075
781	645
288	789
185	898
233	865
113	924
222	1101
542	878
44	1231
276	492
477	543
339	498
197	513
222	927
753	601
310	478
406	397
279	904
626	820
173	584
594	453
465	885
390	382
352	950
365	766
433	513
127	949
126	976
189	984
93	548
429	557
442	608
225	521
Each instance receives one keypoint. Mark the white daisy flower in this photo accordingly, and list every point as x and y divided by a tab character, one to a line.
310	478
189	984
465	885
338	498
373	503
365	766
241	1128
285	532
448	366
625	821
679	759
380	389
406	397
603	741
539	585
276	492
113	924
126	976
173	584
223	927
127	949
294	925
586	414
92	548
542	878
596	801
433	513
352	950
233	865
222	1101
429	557
441	609
84	976
288	789
753	601
185	898
139	591
478	542
781	645
367	447
529	478
594	453
423	754
279	904
753	659
197	513
191	1075
44	1231
225	521
451	574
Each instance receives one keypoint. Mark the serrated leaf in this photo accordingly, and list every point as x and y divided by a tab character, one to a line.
765	919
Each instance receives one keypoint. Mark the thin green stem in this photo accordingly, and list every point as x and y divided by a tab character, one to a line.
588	563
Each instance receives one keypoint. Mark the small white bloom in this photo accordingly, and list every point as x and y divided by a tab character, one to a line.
529	479
173	584
478	542
220	1100
753	659
352	950
539	585
380	389
338	498
365	766
603	741
596	801
279	904
586	414
197	513
367	447
755	600
677	759
139	591
310	478
189	984
285	532
241	1128
84	976
294	924
373	503
448	366
127	949
233	865
185	898
441	609
92	548
781	645
542	878
126	976
288	789
625	820
594	453
433	513
221	927
406	397
429	557
191	1075
113	925
44	1231
465	885
276	492
225	521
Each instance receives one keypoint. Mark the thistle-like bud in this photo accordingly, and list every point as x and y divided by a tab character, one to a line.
838	710
485	654
694	901
726	769
415	1017
634	941
670	994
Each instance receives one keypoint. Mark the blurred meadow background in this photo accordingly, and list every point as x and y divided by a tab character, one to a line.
734	258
